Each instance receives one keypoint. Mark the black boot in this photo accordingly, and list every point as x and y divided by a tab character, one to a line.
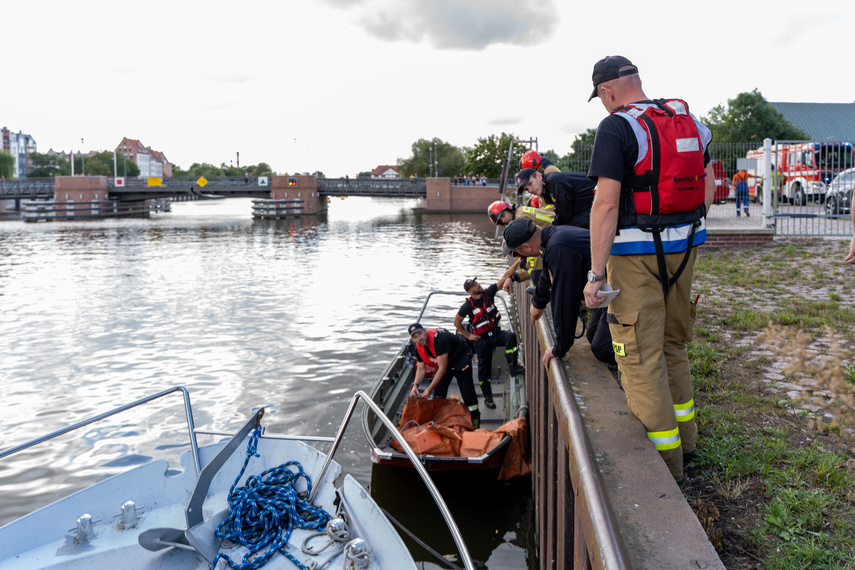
487	390
476	418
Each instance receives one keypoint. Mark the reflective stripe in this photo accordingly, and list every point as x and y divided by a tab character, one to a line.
473	408
685	412
511	350
664	440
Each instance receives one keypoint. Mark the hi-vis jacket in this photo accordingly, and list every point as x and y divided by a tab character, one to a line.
665	195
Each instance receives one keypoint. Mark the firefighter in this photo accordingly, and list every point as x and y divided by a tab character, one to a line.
646	223
535	160
452	357
484	330
501	214
571	193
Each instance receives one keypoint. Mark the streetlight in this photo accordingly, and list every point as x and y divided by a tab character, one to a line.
82	158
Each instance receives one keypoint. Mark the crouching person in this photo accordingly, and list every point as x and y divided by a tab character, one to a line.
452	357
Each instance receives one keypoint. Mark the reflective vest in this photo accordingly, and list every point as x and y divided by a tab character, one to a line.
484	317
667	185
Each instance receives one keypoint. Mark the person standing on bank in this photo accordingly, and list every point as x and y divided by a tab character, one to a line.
566	257
570	192
484	330
646	223
452	357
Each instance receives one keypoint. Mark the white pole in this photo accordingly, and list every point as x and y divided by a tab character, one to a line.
115	169
71	156
767	186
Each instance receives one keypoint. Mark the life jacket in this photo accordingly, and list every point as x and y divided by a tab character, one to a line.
668	183
428	353
485	315
667	187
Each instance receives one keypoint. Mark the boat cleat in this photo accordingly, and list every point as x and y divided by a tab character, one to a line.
130	513
85	528
358	553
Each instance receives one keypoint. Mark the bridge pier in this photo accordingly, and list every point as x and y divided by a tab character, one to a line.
441	197
305	188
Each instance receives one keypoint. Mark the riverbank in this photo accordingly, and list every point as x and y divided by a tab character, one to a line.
773	481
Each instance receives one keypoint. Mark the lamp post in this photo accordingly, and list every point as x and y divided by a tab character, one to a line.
82	158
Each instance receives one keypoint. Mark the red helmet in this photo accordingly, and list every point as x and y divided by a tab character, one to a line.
531	159
534	202
496	208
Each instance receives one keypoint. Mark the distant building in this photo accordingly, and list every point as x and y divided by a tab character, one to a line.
831	122
385	171
152	163
19	146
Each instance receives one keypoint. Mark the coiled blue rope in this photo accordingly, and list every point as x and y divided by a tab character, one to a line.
264	512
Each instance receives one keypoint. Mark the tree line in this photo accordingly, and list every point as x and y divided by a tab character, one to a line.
747	118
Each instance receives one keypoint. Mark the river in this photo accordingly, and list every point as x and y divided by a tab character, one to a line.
294	315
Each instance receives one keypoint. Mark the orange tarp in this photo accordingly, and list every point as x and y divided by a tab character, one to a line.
443	428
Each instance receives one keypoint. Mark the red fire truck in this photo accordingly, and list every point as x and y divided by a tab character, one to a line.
807	168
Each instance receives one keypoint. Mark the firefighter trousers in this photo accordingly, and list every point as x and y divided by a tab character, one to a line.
649	336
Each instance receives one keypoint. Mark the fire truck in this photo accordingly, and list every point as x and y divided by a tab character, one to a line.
807	168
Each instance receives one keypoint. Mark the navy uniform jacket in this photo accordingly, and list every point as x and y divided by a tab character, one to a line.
566	253
572	194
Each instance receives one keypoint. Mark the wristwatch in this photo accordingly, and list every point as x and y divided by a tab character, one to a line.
593	277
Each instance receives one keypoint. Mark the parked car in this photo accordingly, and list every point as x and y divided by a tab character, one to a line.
839	194
722	182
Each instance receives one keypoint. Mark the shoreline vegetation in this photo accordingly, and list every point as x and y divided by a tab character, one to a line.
773	358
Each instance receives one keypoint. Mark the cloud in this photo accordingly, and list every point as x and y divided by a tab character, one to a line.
506	120
455	24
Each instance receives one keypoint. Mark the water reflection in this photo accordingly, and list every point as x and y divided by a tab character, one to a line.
294	315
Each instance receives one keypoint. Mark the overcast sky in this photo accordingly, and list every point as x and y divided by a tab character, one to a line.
342	86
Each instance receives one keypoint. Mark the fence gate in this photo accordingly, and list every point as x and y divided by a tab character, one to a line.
810	186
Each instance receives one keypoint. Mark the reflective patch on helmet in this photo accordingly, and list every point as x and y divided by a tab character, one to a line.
688	145
619	348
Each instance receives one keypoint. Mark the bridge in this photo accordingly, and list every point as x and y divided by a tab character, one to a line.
138	189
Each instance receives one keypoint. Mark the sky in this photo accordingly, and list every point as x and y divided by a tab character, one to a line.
343	86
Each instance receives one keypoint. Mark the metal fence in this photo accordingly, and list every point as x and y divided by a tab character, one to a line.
810	191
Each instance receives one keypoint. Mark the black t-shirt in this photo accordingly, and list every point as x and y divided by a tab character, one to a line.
466	307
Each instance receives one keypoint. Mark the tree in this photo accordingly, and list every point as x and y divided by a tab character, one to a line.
209	171
750	118
488	155
449	159
579	157
7	164
48	166
101	164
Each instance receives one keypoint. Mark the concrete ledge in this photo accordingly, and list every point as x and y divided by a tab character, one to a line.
657	525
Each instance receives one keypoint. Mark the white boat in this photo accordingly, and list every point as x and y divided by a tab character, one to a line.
146	518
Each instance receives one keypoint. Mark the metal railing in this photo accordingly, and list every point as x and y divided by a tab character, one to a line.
575	524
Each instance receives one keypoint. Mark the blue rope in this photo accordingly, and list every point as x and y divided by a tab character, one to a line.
264	512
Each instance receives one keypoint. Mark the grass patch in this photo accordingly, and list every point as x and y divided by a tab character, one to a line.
781	475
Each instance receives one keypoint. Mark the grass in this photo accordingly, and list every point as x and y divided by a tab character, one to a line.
781	474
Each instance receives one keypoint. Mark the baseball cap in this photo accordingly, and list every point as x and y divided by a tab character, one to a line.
415	327
508	250
468	284
518	232
607	69
523	176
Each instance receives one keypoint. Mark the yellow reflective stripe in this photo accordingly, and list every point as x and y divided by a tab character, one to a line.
543	218
473	408
511	350
664	440
685	412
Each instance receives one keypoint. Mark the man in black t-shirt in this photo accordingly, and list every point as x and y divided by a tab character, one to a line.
452	357
484	332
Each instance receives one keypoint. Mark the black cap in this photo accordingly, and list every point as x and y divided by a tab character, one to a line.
468	284
523	176
518	232
508	250
608	68
415	327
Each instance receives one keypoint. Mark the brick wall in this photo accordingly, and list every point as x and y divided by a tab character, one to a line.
305	190
441	196
738	238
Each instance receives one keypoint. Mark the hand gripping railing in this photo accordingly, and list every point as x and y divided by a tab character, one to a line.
187	410
446	514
